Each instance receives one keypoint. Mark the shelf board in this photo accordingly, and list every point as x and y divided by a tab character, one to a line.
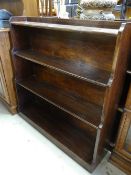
70	28
57	129
71	103
76	68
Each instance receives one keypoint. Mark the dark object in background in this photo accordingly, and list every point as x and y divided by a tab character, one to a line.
125	5
128	2
71	7
4	18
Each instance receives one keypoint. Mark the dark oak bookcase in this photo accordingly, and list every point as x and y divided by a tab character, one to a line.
69	76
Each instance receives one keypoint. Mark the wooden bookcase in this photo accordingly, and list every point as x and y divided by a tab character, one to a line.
69	77
121	155
7	87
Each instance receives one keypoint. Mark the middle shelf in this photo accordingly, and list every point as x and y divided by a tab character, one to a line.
54	86
79	69
73	104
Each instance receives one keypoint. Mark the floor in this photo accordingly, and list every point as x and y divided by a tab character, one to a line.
24	151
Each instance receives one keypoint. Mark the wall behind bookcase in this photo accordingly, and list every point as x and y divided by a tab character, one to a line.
20	7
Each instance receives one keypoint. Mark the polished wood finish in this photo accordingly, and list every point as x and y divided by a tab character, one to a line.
121	155
50	7
7	93
64	131
75	105
30	8
3	88
21	7
15	7
69	28
68	67
76	68
75	22
128	102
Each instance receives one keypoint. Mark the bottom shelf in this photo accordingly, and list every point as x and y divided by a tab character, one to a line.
72	136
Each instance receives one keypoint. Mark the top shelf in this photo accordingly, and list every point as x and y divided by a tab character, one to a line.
69	28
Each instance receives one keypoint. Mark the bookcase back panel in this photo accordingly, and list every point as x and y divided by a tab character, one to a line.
23	69
97	50
21	34
72	85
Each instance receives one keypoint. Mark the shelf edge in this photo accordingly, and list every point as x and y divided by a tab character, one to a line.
65	72
62	108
